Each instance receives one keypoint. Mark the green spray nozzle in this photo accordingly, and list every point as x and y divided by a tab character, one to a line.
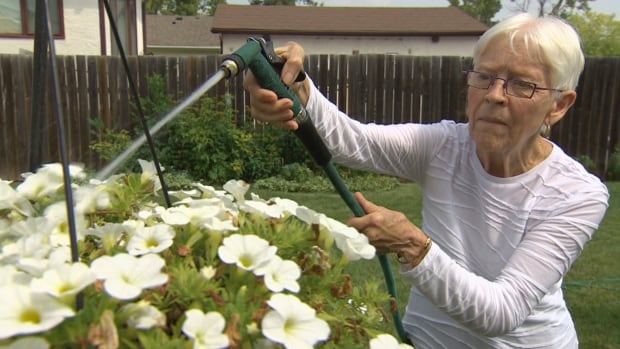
258	56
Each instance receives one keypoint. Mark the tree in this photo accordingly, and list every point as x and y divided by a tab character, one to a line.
482	10
174	7
559	8
600	33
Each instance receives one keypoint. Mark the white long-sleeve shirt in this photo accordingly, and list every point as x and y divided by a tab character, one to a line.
502	246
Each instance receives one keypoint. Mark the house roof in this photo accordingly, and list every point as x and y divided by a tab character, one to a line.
369	21
171	30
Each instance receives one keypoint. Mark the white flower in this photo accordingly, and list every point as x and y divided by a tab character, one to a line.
286	205
10	275
143	315
262	208
88	199
357	247
280	274
293	323
351	242
125	276
183	194
64	280
307	215
209	191
48	180
27	343
150	240
248	252
149	172
205	329
110	233
23	311
386	341
58	218
208	272
237	188
12	200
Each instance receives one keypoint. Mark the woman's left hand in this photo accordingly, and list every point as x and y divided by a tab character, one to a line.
388	230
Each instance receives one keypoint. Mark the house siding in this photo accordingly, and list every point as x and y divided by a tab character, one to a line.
346	45
82	32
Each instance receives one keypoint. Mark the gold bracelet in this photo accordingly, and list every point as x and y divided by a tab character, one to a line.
414	263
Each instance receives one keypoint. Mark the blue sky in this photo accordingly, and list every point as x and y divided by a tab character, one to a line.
603	6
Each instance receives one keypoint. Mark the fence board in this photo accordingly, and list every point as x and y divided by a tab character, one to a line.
371	88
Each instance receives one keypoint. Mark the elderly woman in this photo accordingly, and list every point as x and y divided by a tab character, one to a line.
506	211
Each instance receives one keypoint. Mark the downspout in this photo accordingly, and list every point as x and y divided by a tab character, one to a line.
144	33
102	36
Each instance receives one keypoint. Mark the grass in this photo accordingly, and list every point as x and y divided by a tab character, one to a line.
591	289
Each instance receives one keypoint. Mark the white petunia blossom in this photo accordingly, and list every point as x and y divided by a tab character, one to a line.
126	276
293	323
351	242
64	280
205	329
12	200
149	172
280	274
150	240
208	272
110	234
59	220
262	208
47	180
386	341
27	343
142	315
23	311
248	252
307	215
9	275
237	188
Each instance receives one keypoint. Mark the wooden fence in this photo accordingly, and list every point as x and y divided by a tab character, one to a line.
372	88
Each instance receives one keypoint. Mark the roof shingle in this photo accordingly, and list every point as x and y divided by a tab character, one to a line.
374	21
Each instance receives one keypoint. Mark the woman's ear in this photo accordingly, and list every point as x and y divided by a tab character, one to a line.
561	105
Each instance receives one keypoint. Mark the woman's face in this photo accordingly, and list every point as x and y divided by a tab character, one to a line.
501	124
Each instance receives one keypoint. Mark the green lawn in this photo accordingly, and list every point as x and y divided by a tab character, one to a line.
592	287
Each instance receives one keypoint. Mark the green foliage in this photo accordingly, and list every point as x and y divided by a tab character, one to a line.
177	7
559	8
613	171
108	143
207	143
482	10
600	33
299	178
587	162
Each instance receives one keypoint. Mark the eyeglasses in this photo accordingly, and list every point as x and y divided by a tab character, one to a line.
516	88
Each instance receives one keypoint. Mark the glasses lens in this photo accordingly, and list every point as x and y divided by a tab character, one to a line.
479	80
520	88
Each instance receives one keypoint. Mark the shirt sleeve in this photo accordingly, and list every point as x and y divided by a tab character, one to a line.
373	147
544	256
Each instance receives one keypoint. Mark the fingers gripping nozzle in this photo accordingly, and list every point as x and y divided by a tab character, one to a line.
259	56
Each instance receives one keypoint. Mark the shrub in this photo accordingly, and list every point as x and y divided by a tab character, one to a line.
613	171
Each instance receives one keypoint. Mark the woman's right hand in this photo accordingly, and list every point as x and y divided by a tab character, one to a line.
265	104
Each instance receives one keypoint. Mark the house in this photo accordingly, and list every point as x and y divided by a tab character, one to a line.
180	35
81	27
420	31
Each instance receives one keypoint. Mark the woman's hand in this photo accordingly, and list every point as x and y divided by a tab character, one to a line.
389	231
265	104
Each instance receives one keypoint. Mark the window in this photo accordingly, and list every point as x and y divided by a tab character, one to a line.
17	17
